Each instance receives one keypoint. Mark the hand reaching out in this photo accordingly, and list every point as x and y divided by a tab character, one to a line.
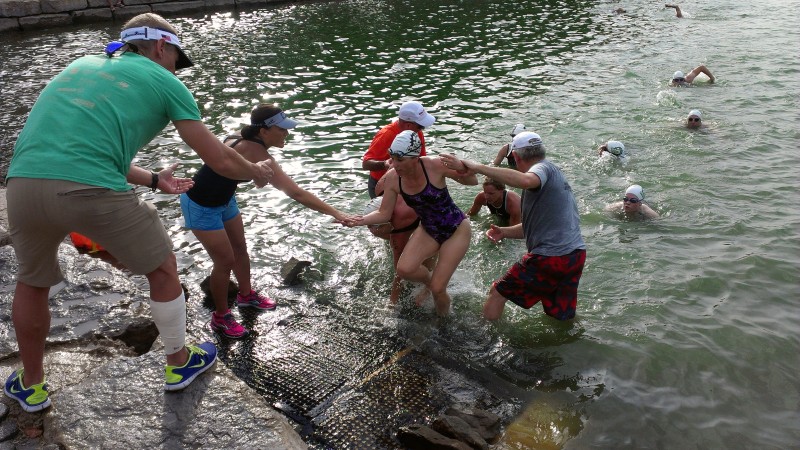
345	219
453	162
170	184
351	221
495	233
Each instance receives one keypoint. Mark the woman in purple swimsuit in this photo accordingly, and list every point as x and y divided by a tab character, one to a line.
443	227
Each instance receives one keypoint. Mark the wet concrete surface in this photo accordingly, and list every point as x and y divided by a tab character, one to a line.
105	368
339	385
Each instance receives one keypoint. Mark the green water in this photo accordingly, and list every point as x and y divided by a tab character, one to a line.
687	333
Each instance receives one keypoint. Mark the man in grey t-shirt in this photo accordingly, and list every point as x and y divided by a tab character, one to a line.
552	268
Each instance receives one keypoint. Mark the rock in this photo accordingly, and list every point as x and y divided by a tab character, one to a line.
122	404
168	8
233	288
45	21
5	237
420	437
485	423
57	6
9	25
456	428
292	269
8	429
140	334
19	8
3	411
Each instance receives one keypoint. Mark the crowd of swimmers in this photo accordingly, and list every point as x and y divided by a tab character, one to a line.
77	177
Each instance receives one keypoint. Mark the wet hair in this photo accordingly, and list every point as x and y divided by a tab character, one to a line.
492	182
150	20
531	152
257	117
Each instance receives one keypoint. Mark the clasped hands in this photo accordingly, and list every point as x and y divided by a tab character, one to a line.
453	162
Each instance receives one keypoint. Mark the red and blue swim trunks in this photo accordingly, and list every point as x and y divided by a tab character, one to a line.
553	280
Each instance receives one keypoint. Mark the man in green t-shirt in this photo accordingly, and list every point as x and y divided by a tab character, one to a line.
71	170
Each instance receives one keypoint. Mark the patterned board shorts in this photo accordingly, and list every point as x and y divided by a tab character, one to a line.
553	280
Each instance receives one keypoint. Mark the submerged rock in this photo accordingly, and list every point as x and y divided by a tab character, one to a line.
485	423
456	428
291	271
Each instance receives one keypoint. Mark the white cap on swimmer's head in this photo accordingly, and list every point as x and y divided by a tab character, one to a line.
518	128
695	113
415	112
406	145
636	190
678	75
525	139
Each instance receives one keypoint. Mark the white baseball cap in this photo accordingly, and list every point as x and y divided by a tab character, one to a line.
525	139
415	112
636	190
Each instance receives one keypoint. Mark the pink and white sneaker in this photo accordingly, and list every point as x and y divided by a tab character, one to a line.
254	300
227	326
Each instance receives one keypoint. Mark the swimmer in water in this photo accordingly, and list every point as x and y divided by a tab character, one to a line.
501	202
632	206
679	79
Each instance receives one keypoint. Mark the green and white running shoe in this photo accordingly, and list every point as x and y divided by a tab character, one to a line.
33	398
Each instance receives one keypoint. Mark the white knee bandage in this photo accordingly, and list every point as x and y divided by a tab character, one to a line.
170	319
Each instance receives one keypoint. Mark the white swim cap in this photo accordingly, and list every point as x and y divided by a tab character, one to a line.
678	74
637	191
406	145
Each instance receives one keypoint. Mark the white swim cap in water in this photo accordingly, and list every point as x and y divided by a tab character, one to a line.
637	191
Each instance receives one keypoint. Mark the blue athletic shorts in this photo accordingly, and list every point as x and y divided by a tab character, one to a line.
205	218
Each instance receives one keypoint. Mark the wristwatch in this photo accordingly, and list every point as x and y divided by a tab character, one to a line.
154	183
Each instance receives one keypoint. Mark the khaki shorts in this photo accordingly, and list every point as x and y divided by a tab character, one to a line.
42	212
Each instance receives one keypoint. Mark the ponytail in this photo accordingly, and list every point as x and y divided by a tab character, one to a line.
250	131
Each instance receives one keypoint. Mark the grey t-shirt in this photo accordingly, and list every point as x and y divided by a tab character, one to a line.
550	218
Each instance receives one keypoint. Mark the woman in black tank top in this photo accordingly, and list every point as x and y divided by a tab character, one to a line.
223	237
501	202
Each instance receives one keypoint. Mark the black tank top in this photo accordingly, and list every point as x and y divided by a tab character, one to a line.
212	189
501	211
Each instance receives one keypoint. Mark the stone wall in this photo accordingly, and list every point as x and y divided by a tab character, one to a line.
22	15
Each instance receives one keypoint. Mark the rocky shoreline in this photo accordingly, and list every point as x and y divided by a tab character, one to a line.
25	15
105	368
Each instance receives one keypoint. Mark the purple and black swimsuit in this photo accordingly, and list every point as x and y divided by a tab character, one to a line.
439	215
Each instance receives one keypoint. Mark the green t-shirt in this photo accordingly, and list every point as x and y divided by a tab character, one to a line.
91	120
